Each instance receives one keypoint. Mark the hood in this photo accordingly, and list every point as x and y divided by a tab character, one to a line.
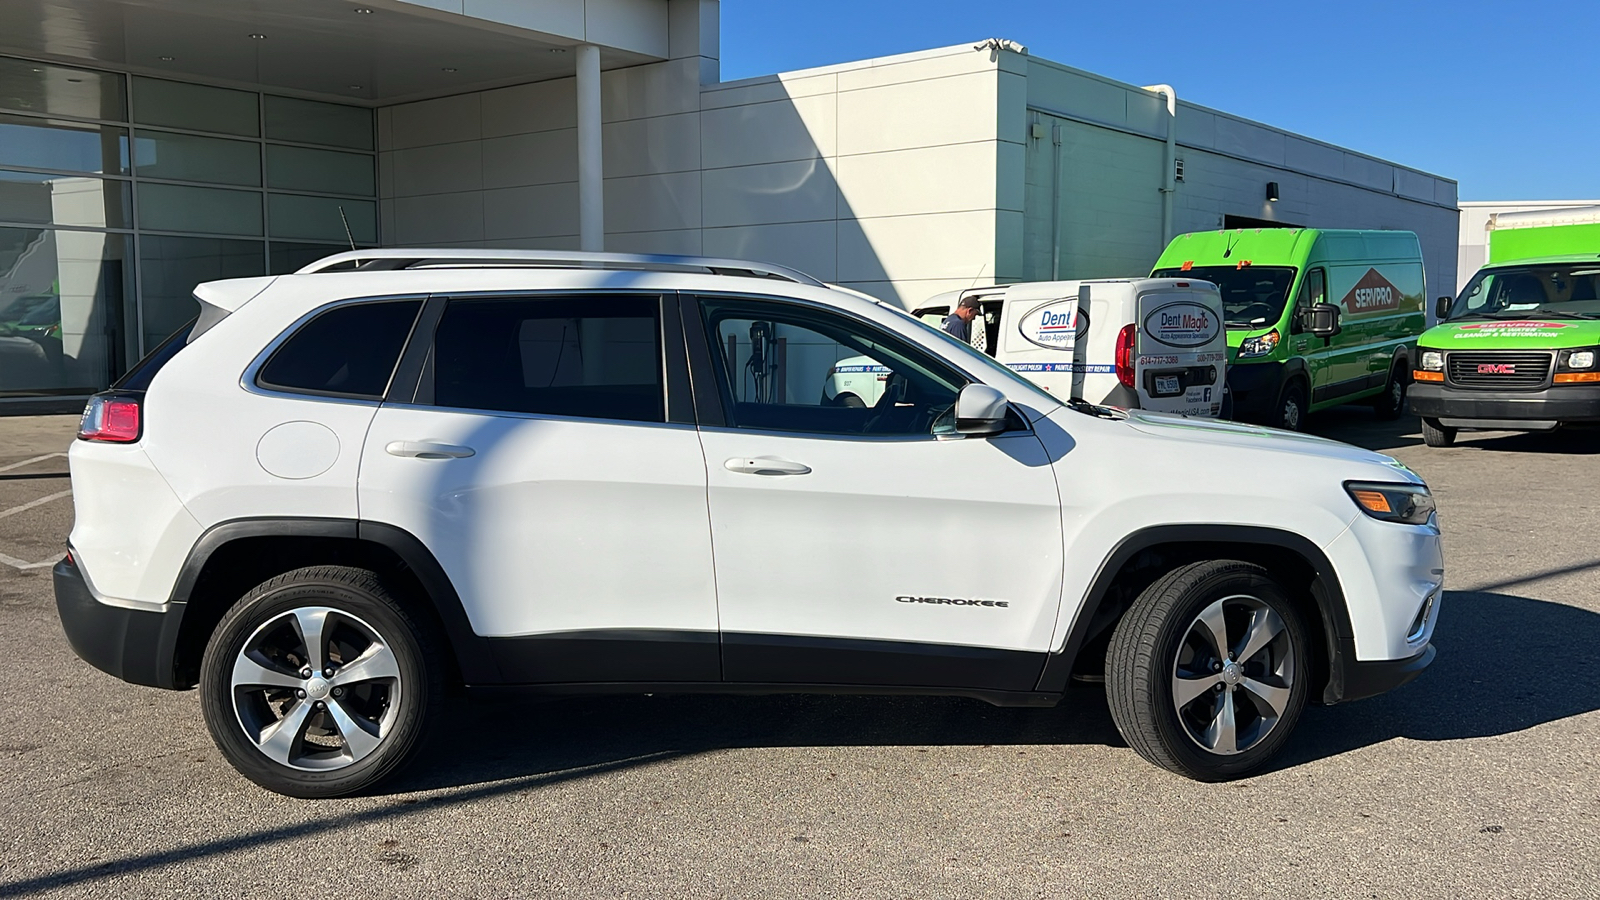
1247	437
1512	334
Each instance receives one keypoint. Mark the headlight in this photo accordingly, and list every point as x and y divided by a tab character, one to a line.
1433	361
1410	504
1580	359
1258	346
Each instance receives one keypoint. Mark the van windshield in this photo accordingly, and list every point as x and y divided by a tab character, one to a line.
1550	291
1252	296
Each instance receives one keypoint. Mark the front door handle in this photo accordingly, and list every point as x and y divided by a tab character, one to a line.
427	450
765	465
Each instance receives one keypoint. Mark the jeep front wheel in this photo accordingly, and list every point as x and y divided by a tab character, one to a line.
1205	673
318	683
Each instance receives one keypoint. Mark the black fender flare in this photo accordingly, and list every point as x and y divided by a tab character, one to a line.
1327	593
471	650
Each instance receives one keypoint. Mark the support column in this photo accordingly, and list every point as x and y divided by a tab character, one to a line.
591	179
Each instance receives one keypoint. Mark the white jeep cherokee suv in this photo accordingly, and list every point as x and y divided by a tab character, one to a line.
339	491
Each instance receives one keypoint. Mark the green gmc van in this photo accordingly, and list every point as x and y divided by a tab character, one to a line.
1315	317
1517	350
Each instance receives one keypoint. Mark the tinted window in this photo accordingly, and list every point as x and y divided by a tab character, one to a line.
594	357
788	368
348	351
144	371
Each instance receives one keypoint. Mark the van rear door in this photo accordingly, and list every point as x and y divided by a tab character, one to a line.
1182	350
1040	335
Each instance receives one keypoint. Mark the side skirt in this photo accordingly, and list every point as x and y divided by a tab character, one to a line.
1035	699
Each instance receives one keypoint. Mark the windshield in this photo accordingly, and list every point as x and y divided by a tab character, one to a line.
1553	290
1252	296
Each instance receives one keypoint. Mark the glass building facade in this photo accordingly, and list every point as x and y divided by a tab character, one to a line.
120	193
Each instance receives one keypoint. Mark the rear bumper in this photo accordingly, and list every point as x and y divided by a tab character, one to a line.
1354	680
1566	403
1254	389
135	645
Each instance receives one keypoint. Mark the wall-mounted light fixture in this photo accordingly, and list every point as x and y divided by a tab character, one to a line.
1272	192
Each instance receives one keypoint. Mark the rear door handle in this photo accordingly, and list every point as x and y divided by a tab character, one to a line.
765	465
427	450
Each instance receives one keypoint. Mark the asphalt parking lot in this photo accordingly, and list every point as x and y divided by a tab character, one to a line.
1480	779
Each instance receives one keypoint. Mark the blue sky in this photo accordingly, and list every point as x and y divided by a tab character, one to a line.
1503	97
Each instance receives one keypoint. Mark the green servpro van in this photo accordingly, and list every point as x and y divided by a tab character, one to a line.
1517	350
1315	317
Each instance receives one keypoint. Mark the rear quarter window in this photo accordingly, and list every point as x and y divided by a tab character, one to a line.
347	351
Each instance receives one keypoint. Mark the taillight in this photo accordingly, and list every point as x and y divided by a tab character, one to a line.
113	416
1125	356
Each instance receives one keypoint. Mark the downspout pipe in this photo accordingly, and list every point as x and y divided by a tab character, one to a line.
1169	178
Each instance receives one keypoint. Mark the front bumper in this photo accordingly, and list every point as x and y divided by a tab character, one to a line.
1538	409
1353	680
135	645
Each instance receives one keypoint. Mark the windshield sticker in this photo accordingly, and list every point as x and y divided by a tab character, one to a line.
1373	293
1055	325
1506	329
1182	324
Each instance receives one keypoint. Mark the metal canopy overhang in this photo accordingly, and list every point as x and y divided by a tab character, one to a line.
323	48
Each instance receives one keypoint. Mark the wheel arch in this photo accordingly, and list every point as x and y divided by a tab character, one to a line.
232	557
1143	556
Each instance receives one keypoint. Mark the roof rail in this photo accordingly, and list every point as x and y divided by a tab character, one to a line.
398	258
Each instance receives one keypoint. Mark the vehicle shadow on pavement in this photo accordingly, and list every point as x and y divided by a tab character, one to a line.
534	736
1506	664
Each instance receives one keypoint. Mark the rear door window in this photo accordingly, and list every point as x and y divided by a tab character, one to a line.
588	357
347	351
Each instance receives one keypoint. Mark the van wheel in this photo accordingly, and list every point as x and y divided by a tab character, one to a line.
1436	435
849	401
319	684
1292	406
1205	673
1392	402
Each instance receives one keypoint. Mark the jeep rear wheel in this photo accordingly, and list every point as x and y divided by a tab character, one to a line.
318	683
1205	673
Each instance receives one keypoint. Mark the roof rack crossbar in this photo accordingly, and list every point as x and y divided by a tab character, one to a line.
399	258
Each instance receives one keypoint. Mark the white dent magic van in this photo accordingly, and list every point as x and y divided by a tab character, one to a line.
1139	343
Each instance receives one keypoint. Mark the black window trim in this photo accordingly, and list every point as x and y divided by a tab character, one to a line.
415	389
251	379
710	402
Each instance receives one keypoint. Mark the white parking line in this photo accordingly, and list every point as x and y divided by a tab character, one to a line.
29	462
24	565
32	503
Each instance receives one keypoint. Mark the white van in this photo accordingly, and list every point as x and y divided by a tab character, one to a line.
1144	343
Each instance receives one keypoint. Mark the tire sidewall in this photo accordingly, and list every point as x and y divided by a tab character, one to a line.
1199	762
419	686
1295	390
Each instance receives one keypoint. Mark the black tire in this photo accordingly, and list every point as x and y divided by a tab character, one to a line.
1436	435
1293	406
1391	404
361	623
1156	642
849	401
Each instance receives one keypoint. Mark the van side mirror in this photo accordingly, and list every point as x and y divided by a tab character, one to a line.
1322	320
980	410
1441	308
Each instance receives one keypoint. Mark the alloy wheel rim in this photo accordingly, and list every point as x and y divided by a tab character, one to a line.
1291	414
315	689
1233	675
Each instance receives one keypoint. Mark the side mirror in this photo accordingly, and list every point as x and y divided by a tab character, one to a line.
1322	320
1441	308
980	410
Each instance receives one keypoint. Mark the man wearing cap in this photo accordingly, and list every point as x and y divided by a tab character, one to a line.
959	323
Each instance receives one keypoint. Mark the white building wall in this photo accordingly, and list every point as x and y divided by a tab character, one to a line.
1474	244
1113	163
884	175
903	176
